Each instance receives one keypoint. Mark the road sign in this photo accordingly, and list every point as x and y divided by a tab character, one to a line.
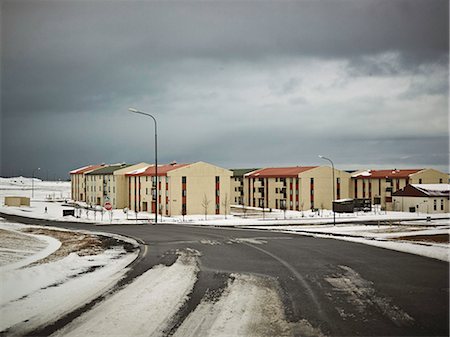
108	206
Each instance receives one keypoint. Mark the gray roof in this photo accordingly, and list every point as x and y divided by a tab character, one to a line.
241	172
108	169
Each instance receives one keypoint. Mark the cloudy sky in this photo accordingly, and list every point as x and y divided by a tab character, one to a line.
234	83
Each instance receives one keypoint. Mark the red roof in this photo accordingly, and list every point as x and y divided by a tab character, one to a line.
382	174
85	169
279	172
150	171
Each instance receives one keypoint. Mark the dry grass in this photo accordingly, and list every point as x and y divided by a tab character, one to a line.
436	238
71	242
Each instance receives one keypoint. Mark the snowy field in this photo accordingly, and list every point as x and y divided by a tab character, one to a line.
47	272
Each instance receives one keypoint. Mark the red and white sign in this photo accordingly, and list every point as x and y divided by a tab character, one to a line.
108	206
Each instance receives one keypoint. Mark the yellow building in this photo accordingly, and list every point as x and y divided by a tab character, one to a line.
295	188
78	181
422	198
182	189
101	184
237	185
379	185
118	195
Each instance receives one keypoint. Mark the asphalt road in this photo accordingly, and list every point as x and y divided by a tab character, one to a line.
340	288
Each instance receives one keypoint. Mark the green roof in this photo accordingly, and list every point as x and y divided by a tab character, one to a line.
108	169
241	172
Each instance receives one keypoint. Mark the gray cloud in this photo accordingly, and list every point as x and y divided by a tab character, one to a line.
233	83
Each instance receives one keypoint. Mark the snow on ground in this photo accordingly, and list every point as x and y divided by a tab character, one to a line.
439	252
389	237
34	293
143	307
18	249
249	306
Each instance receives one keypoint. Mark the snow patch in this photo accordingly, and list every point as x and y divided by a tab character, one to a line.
362	296
143	307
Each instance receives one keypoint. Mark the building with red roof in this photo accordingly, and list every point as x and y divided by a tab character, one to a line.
422	198
379	185
181	189
295	188
78	181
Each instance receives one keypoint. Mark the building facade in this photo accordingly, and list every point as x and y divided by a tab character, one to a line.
101	184
422	198
379	185
237	185
196	188
295	188
118	195
78	182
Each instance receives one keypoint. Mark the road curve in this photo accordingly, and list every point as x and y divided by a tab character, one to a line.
341	288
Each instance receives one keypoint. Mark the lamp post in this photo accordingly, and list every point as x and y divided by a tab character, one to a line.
156	158
334	193
32	181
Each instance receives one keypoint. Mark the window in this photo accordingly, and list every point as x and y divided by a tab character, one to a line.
338	180
440	181
442	204
277	190
420	181
435	204
183	193
146	190
183	180
114	189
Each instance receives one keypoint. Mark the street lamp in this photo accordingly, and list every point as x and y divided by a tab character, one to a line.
32	181
156	158
332	199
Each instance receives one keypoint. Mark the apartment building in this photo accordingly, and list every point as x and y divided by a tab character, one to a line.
295	188
180	189
379	185
118	194
78	181
422	198
101	184
237	185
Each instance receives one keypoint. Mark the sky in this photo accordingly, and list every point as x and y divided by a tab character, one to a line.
234	83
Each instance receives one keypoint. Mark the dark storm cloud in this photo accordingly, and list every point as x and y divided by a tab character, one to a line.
70	69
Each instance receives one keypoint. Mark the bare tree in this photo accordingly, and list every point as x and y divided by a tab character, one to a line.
205	204
225	203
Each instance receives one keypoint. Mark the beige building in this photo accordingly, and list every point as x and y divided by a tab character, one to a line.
118	195
181	188
237	185
379	185
78	181
295	188
422	198
101	184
